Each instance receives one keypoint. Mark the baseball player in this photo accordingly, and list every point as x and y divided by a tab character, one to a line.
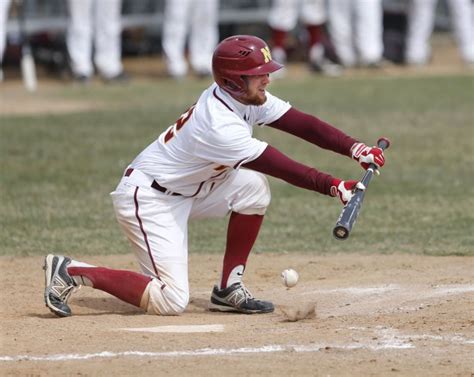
207	164
4	7
283	17
421	18
199	19
95	25
356	29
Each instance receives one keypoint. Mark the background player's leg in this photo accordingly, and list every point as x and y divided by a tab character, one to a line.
175	28
282	18
313	15
107	37
421	17
79	38
368	31
462	21
340	29
204	35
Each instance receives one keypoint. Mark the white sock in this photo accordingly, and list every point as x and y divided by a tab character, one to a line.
81	280
235	275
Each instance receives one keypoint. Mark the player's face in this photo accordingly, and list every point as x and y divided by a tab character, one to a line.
255	94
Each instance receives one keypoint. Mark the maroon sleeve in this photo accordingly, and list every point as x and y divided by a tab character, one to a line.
276	164
315	131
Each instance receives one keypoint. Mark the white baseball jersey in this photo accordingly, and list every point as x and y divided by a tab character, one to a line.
210	139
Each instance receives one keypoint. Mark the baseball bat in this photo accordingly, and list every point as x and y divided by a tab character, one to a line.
28	70
351	210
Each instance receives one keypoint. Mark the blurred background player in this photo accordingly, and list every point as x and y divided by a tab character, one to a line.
356	30
4	8
197	19
95	26
283	18
421	18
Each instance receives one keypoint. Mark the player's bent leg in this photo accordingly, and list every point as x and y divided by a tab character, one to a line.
164	299
63	276
255	195
131	289
246	192
156	227
247	195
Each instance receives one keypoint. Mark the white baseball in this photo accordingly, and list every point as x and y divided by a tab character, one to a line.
289	277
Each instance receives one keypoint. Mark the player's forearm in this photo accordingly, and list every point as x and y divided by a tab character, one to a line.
278	165
315	131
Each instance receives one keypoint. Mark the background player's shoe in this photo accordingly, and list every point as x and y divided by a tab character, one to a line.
319	63
237	298
59	285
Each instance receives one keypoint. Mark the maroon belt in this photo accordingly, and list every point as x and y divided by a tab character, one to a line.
154	184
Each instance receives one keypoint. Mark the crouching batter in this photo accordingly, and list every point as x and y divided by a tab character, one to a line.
207	164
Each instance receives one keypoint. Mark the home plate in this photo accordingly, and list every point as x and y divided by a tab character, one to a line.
178	329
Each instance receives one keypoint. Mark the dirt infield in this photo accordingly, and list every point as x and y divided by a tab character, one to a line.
396	315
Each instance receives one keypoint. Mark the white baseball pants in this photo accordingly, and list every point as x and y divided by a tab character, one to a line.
95	22
156	226
4	7
199	18
356	29
421	18
284	14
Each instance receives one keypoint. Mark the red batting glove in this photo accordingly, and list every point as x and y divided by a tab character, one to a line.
367	155
344	190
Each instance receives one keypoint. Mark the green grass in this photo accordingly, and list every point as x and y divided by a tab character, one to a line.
57	170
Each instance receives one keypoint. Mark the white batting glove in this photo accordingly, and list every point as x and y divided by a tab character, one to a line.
368	155
345	190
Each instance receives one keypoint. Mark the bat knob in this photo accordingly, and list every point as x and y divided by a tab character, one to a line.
340	232
383	143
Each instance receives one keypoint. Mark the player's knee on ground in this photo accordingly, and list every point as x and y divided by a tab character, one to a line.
164	299
255	195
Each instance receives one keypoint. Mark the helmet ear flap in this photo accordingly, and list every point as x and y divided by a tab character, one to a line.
232	85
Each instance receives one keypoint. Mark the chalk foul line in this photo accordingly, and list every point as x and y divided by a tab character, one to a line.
203	352
389	339
177	329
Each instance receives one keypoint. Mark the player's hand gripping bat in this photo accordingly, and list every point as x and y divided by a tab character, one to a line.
351	210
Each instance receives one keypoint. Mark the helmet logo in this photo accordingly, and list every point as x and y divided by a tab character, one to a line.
267	56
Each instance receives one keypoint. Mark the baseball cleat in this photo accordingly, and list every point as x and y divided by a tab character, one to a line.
237	298
59	284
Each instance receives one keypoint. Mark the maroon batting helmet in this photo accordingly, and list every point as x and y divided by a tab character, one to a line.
241	55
